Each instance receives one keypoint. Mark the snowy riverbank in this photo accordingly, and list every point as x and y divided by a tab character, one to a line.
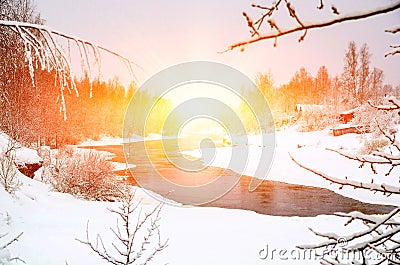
51	222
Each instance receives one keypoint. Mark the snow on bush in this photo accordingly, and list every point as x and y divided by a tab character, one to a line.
376	120
138	237
22	155
372	144
8	172
86	174
316	119
8	175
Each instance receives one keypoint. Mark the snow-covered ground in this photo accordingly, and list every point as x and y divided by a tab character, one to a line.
51	222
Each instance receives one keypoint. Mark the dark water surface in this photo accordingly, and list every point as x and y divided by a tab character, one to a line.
271	197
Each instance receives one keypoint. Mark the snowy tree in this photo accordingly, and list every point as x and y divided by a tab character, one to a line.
37	80
14	77
41	49
349	75
358	81
377	89
271	25
322	83
382	234
364	73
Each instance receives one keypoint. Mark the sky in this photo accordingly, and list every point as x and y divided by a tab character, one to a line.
159	34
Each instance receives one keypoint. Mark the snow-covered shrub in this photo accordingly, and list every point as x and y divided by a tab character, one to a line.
137	233
316	119
373	144
376	120
8	174
85	174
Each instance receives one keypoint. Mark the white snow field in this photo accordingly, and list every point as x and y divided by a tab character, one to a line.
51	222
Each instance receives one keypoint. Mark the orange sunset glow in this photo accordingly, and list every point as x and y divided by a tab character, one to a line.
199	132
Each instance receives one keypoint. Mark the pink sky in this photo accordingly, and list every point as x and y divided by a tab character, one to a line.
158	34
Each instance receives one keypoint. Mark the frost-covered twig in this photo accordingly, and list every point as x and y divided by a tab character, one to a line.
377	158
277	32
380	236
375	187
396	48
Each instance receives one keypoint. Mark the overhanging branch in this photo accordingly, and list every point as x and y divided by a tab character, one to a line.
42	49
303	27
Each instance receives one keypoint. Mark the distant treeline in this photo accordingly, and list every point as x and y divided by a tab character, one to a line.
31	107
359	83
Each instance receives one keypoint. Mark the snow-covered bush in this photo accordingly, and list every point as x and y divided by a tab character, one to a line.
316	119
85	174
137	240
8	174
373	144
376	120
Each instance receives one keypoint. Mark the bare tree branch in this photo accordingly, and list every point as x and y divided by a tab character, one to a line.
303	27
8	243
11	241
393	30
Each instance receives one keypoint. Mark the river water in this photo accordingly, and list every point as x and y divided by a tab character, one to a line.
271	197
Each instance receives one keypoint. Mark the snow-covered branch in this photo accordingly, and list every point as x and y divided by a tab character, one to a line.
394	104
393	30
276	30
375	187
396	48
4	253
377	158
42	50
380	236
